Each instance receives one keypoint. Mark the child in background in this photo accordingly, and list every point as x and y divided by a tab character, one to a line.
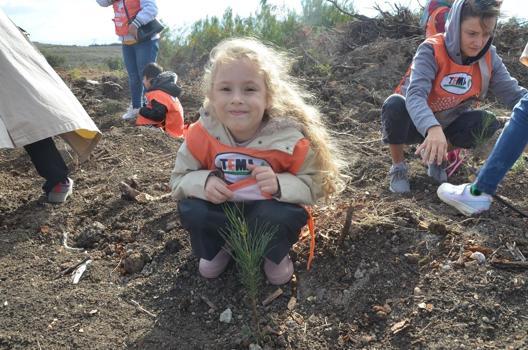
434	16
450	74
257	142
163	109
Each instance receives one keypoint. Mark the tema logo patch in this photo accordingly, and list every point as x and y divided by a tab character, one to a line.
457	83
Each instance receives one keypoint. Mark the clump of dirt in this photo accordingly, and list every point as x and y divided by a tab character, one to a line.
403	275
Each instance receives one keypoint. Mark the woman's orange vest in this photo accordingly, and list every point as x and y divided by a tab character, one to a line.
173	123
120	16
455	83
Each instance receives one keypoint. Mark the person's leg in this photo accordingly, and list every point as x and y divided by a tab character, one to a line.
398	130
506	151
288	219
146	52
203	220
475	198
134	79
472	129
48	162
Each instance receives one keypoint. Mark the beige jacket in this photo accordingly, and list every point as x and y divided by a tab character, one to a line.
189	176
34	101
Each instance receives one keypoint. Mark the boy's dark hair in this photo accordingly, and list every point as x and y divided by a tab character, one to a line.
152	70
483	9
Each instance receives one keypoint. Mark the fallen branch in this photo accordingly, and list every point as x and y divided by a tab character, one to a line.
65	243
509	265
277	293
71	268
141	308
208	302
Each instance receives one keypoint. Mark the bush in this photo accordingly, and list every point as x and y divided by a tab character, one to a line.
55	61
114	63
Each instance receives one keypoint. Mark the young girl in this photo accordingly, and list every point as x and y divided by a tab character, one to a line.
258	142
450	73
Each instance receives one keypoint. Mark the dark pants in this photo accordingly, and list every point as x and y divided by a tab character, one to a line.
469	130
204	220
48	162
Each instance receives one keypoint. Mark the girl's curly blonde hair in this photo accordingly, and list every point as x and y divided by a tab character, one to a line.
285	97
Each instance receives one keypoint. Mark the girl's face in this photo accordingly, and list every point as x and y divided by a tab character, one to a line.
238	98
474	35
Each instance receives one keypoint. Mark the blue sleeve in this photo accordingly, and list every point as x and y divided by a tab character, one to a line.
105	3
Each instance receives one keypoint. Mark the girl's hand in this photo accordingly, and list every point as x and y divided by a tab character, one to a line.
266	178
434	147
216	190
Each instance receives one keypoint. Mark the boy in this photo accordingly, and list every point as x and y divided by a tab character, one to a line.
163	109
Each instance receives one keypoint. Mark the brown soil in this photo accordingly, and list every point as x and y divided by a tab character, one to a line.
400	278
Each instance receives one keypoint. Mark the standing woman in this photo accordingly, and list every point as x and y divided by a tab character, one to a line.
450	73
129	15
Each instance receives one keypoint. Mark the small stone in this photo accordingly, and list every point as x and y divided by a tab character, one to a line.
226	316
478	257
417	291
254	347
359	274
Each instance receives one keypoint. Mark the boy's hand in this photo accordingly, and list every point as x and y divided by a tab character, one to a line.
434	147
216	190
266	178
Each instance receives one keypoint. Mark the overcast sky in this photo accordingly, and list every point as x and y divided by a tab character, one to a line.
85	23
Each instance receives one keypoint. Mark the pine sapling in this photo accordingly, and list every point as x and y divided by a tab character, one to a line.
248	247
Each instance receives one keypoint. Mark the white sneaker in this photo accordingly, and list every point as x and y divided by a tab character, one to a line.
461	198
130	114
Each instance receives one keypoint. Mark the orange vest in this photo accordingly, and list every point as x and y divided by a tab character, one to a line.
430	28
233	160
454	83
120	16
173	123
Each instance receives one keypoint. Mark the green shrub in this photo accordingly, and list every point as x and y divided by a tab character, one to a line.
114	63
56	61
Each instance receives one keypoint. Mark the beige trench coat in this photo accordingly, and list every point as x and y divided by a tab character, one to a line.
34	101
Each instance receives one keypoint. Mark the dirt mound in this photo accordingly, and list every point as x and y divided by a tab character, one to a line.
405	275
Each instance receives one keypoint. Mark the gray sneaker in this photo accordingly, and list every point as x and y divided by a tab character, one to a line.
399	182
437	172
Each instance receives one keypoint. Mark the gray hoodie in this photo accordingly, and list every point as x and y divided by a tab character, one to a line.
418	85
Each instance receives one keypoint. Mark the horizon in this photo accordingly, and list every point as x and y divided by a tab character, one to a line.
34	15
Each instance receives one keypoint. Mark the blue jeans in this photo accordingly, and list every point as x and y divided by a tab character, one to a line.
507	150
136	57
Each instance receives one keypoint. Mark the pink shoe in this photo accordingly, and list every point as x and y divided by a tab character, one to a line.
280	273
213	268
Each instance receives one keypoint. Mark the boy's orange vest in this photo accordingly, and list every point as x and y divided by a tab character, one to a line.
173	123
120	16
455	83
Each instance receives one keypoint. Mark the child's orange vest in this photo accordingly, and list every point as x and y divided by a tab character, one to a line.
455	83
233	160
120	16
173	123
430	28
